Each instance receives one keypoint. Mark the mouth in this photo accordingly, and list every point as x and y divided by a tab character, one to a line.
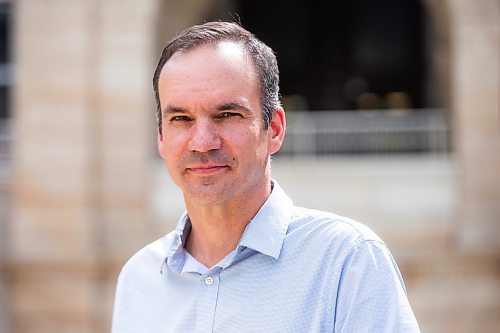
206	169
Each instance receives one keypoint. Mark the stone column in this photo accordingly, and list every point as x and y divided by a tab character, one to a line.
83	114
475	57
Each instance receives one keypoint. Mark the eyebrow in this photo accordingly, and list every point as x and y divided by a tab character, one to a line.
170	109
233	106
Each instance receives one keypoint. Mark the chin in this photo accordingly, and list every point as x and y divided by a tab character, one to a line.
208	199
207	193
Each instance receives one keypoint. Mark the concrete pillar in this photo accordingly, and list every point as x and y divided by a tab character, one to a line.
475	57
83	114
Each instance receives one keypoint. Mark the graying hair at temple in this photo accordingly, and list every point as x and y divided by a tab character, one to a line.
262	55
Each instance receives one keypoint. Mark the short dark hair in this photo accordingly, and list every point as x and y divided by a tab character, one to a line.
262	55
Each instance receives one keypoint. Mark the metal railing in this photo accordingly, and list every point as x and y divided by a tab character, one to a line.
366	132
5	140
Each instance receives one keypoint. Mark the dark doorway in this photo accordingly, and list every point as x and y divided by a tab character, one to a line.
5	67
343	55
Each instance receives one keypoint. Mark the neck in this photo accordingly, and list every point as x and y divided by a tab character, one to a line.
217	229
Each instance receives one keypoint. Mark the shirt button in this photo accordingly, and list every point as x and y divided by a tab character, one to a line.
209	280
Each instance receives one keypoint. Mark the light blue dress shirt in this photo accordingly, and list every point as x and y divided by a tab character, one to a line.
294	270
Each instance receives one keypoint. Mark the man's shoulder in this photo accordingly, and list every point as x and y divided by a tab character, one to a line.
151	255
330	227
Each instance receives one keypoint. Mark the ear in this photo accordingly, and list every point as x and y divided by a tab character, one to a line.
277	129
161	145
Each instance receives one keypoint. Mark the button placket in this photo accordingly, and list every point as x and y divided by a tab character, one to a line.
208	292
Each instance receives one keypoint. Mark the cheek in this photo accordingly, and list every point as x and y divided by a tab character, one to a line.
252	145
171	148
242	139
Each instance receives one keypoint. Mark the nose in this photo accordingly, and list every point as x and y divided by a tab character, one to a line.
204	137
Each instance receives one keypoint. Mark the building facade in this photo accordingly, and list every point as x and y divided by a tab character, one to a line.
80	191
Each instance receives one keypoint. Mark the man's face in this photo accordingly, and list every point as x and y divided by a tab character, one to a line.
213	139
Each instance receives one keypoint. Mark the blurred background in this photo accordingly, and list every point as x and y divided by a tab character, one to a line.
393	120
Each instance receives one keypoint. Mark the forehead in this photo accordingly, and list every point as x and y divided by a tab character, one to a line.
226	55
210	69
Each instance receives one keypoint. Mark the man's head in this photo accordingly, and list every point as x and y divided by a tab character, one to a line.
215	136
262	56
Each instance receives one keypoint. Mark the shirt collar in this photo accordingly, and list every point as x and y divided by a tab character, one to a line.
176	252
265	233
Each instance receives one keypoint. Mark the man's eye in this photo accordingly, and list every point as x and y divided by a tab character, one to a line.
179	118
229	115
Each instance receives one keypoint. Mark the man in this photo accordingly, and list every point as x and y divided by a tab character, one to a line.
243	258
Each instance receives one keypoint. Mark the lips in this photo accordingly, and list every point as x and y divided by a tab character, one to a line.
208	163
206	169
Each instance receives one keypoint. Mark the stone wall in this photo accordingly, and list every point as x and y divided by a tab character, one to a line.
82	110
475	62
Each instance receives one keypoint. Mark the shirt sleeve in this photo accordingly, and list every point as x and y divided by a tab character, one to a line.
371	294
119	307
